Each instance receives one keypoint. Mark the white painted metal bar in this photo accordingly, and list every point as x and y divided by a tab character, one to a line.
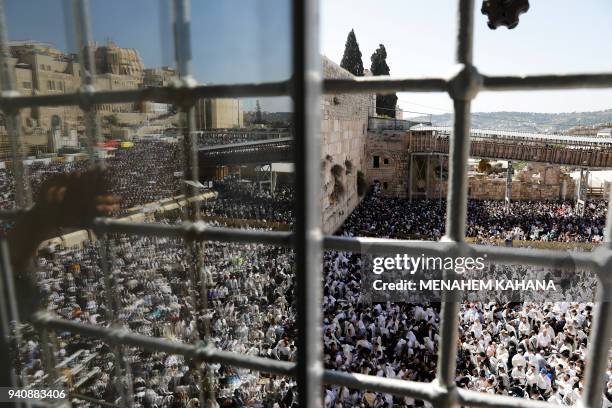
547	81
84	36
456	210
601	331
283	88
12	116
88	75
306	91
199	290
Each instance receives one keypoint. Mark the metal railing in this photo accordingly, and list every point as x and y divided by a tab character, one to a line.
305	88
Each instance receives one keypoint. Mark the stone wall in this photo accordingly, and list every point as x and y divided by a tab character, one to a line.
536	183
387	160
391	149
42	70
344	123
483	188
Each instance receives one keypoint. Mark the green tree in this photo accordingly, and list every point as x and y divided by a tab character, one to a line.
385	103
112	120
258	114
351	60
484	166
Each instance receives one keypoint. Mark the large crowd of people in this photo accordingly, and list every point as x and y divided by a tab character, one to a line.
527	350
487	220
151	170
244	200
222	137
249	304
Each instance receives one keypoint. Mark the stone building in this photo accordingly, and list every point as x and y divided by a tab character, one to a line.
41	69
158	76
220	113
110	59
108	82
38	69
344	126
387	160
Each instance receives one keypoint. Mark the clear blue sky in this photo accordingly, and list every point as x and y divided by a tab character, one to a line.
249	40
232	40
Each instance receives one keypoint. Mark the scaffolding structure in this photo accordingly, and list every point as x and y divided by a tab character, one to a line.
265	175
581	191
305	88
508	196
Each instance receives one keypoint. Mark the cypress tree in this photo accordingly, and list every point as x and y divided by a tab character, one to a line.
258	113
385	104
351	60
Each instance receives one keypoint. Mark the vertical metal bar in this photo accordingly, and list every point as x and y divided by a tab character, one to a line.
47	348
456	206
23	196
8	375
601	333
599	345
182	44
441	163
508	198
427	175
182	38
112	305
410	176
190	153
88	81
13	126
465	32
13	311
306	99
182	48
88	74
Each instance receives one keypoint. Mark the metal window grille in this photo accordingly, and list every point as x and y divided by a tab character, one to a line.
305	87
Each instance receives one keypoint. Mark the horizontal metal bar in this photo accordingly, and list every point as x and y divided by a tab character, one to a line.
169	94
96	401
550	81
486	400
123	337
380	84
572	260
423	391
413	389
384	245
197	231
567	260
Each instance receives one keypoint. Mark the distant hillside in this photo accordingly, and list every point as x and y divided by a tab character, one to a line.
569	122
